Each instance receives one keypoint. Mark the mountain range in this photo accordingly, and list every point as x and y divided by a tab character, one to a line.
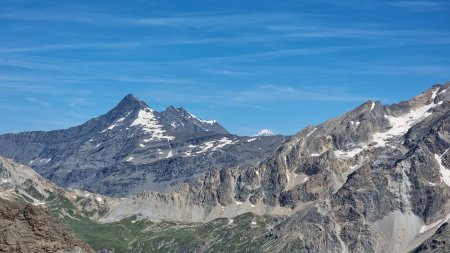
134	148
375	179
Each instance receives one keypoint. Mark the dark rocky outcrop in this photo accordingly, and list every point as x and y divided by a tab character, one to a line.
33	229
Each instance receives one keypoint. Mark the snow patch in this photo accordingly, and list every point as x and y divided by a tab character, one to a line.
425	228
99	199
112	126
309	134
149	123
130	158
264	132
252	139
399	126
372	106
348	154
445	173
433	96
210	122
215	145
45	160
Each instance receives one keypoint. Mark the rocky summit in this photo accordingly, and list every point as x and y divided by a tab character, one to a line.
375	179
133	148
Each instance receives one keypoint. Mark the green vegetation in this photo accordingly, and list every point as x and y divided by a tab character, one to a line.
246	233
29	187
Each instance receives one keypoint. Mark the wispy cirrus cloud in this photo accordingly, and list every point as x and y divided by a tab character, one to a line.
257	97
275	93
79	101
146	42
38	101
227	72
420	5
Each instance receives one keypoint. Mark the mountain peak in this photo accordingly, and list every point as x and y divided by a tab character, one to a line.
130	98
264	132
130	103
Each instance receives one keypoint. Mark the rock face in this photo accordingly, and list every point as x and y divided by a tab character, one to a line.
33	229
376	179
133	148
439	242
21	184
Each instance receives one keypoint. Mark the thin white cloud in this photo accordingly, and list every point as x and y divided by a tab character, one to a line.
420	5
292	52
255	97
38	101
79	101
277	93
226	72
9	107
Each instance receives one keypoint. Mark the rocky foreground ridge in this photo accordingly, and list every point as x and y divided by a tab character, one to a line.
31	228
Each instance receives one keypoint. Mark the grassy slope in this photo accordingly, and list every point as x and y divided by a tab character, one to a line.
242	235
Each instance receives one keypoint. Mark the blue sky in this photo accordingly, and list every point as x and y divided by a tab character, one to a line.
250	65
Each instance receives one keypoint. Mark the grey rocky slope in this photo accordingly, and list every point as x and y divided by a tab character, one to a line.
439	242
21	184
134	148
32	209
375	179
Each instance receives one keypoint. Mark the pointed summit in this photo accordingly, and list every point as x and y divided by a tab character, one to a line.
131	101
129	108
130	97
264	132
128	104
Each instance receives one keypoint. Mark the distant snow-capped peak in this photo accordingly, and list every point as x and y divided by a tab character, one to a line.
264	132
